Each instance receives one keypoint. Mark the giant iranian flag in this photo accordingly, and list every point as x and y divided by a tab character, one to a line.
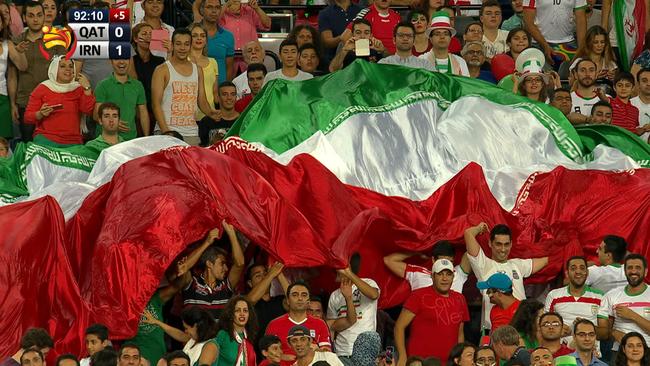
374	158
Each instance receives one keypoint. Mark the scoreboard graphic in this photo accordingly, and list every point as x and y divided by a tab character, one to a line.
101	33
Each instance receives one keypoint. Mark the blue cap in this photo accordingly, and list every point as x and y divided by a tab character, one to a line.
498	281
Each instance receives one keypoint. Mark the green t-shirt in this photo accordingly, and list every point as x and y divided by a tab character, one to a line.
128	96
228	349
151	338
100	144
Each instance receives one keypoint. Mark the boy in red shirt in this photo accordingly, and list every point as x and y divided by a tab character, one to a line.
624	114
499	290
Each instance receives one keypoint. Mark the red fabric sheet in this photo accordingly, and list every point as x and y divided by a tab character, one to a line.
107	261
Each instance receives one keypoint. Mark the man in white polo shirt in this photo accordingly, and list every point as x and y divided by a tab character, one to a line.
484	267
627	309
576	300
610	273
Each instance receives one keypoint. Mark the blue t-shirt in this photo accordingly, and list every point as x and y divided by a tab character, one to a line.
335	19
221	46
486	75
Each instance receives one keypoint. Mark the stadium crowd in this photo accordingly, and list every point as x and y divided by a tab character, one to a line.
215	308
225	310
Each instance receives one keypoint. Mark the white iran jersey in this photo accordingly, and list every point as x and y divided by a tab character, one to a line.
516	269
582	105
555	18
606	278
640	304
644	115
366	316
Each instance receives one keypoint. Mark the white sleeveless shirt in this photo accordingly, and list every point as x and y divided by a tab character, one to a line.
4	60
180	100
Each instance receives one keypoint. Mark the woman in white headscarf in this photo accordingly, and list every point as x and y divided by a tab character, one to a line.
56	105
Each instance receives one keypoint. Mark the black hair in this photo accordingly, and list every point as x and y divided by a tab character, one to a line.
559	90
315	35
249	270
287	43
355	263
615	245
34	350
600	103
297	283
308	46
101	5
211	254
442	248
227	318
257	67
457	352
623	75
550	313
181	32
621	358
32	4
585	59
129	345
404	24
484	348
488	3
500	229
633	256
643	70
471	24
226	84
267	341
361	21
321	363
102	107
169	357
67	356
206	326
105	357
582	321
580	257
524	318
36	338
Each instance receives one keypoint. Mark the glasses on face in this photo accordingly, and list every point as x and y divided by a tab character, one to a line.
475	53
475	30
586	334
551	324
534	80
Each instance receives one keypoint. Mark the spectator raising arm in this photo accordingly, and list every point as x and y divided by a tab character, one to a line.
473	247
405	318
237	253
581	25
538	264
184	265
395	263
367	290
262	288
343	323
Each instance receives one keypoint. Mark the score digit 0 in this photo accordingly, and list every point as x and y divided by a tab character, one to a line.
119	33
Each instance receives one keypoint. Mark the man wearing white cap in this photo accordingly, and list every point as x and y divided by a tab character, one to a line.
435	310
440	32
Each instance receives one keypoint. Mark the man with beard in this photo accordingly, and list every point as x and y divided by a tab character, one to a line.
576	300
474	55
434	310
404	37
550	326
253	54
318	332
627	307
610	273
585	94
499	289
